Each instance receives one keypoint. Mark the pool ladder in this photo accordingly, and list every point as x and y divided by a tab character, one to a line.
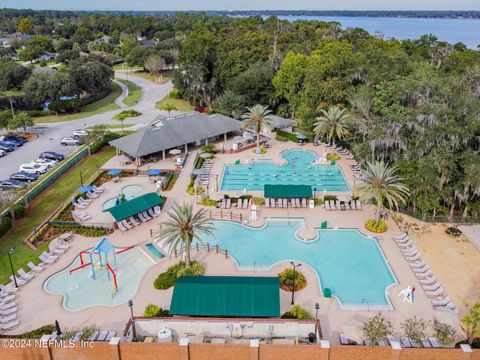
366	302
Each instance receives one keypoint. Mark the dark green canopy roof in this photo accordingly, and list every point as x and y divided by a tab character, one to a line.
288	191
230	296
134	206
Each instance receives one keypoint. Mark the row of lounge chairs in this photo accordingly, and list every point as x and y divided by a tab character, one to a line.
343	205
82	203
225	203
242	203
283	203
141	217
433	289
405	342
8	306
104	335
204	179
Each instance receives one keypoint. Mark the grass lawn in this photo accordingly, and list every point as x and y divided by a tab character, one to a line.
134	92
180	104
118	126
98	107
40	208
124	66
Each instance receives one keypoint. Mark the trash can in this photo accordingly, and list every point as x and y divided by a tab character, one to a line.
311	338
324	224
333	162
327	293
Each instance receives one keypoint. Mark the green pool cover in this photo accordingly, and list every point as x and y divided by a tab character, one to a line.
229	296
287	191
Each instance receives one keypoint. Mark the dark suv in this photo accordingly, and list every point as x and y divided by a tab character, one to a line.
24	176
52	155
15	137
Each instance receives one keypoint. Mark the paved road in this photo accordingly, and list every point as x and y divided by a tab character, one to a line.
50	134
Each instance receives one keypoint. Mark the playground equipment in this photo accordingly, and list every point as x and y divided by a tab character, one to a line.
103	257
408	294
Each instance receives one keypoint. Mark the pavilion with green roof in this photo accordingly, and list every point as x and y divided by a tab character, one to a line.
226	296
132	207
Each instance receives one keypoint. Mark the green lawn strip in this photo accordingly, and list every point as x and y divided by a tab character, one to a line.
98	107
134	92
180	104
124	66
40	208
118	126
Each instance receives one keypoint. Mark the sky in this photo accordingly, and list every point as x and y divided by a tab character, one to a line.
244	4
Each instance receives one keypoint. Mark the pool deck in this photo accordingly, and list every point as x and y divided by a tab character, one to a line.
37	308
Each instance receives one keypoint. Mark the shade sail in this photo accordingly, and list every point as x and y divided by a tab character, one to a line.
143	202
237	296
288	191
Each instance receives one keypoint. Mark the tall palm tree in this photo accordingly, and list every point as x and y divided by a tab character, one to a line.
258	117
472	322
185	225
333	124
380	182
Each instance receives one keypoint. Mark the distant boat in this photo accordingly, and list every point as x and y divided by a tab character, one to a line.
379	34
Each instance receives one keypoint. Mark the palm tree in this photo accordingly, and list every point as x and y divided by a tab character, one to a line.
333	124
380	182
472	322
185	225
258	117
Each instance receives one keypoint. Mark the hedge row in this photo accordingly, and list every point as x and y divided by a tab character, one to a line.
97	145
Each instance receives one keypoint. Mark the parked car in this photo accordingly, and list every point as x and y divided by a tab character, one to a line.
24	176
47	162
52	155
13	143
12	184
33	168
70	141
6	147
2	153
80	132
16	137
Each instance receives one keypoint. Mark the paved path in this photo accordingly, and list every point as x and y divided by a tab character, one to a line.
51	133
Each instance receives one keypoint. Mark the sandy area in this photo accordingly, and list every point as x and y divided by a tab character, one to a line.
454	260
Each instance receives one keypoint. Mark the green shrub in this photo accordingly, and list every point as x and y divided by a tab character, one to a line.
64	106
34	334
297	312
333	156
106	138
19	211
131	113
175	94
372	226
208	148
258	201
318	201
330	198
286	279
5	225
151	310
208	202
281	138
167	279
87	332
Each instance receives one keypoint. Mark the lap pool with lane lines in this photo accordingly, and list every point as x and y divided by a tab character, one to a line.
350	264
299	169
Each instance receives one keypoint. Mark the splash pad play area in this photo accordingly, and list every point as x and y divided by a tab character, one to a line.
110	276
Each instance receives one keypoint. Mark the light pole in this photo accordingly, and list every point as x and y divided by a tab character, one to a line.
11	107
293	280
10	252
317	307
216	182
130	304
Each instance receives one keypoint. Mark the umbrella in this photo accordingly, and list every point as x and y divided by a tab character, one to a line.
206	155
301	137
117	201
200	172
57	328
114	172
84	189
154	171
175	152
253	217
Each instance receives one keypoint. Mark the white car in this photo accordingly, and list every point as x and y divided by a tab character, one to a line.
69	141
33	168
80	132
46	162
2	153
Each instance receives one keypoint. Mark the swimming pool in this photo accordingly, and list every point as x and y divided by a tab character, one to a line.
349	263
129	191
80	291
298	170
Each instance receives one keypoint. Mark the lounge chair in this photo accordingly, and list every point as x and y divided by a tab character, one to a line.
24	275
63	246
146	216
358	204
45	260
78	336
121	227
327	205
428	280
94	336
12	310
435	293
434	342
102	336
7	299
403	241
83	217
414	343
432	287
17	280
409	251
390	339
412	258
222	203
8	289
110	335
343	339
332	205
50	256
81	200
426	343
273	203
304	203
157	210
151	213
405	341
56	250
133	221
418	265
7	319
245	204
91	195
229	203
240	203
400	237
126	224
9	326
405	245
79	206
35	268
293	204
424	275
285	203
5	306
298	202
99	189
352	205
421	270
267	202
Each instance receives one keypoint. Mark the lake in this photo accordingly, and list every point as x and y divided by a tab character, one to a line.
451	30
